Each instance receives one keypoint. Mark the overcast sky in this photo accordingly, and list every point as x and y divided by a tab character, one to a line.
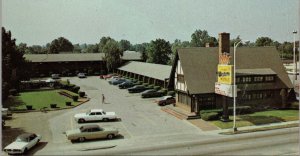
37	22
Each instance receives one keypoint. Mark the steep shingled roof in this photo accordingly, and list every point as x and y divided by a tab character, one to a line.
199	66
72	57
157	71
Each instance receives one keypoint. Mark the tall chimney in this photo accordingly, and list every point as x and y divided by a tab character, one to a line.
224	45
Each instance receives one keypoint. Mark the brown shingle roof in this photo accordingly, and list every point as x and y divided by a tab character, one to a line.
199	65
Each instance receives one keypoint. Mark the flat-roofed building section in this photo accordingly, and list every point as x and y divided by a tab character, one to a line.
150	73
69	64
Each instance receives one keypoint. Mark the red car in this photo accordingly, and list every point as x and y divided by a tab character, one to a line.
166	100
106	76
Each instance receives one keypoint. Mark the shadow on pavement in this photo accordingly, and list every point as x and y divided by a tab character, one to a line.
36	148
104	139
10	134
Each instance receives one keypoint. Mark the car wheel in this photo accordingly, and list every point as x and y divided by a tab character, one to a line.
38	141
25	150
81	120
81	139
164	104
105	119
110	136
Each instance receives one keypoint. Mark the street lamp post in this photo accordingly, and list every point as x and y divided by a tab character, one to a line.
295	60
236	44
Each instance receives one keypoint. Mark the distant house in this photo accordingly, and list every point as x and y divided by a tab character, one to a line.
72	63
150	73
261	78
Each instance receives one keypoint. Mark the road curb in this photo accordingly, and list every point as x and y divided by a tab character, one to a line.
193	143
28	111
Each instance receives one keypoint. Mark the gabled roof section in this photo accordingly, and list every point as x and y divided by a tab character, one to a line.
157	71
200	66
72	57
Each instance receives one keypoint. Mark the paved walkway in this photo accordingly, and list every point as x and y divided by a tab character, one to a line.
203	125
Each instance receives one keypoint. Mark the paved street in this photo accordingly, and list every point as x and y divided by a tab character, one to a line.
145	129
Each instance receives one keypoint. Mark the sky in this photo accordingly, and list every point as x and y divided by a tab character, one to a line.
38	22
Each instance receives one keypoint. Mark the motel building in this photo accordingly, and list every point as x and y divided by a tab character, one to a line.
262	81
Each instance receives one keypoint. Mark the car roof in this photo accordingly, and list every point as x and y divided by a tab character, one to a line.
96	110
25	135
90	126
168	96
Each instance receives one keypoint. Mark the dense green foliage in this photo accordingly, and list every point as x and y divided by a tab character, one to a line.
14	67
158	51
60	45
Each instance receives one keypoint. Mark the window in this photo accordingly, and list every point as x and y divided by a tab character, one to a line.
93	113
269	78
238	80
180	78
246	79
98	113
258	79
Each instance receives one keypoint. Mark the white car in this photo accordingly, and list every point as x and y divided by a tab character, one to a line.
23	143
95	115
81	75
5	112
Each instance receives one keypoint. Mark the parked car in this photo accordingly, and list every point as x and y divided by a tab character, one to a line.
107	76
114	78
91	132
55	76
137	89
95	115
81	75
118	81
23	143
151	93
5	113
166	100
3	123
126	84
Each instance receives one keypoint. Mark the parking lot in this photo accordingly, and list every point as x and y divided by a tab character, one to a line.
140	119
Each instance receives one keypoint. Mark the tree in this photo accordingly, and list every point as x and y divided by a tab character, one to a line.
142	49
158	51
178	44
264	41
200	38
91	48
13	63
103	42
124	45
77	48
61	44
112	55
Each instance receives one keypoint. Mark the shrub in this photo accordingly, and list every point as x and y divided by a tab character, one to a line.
145	84
96	73
75	98
68	103
53	105
75	89
171	93
241	110
164	91
151	86
156	87
13	92
210	116
29	107
81	94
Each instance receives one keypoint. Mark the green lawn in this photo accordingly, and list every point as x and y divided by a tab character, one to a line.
260	118
39	99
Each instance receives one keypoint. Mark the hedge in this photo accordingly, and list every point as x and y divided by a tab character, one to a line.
239	110
171	93
156	87
81	94
210	116
164	91
75	98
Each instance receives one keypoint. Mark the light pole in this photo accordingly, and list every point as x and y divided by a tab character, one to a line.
295	60
235	45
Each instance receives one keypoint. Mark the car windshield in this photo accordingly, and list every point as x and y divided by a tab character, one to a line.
81	128
21	139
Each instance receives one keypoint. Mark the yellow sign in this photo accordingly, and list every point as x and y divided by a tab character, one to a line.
225	73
